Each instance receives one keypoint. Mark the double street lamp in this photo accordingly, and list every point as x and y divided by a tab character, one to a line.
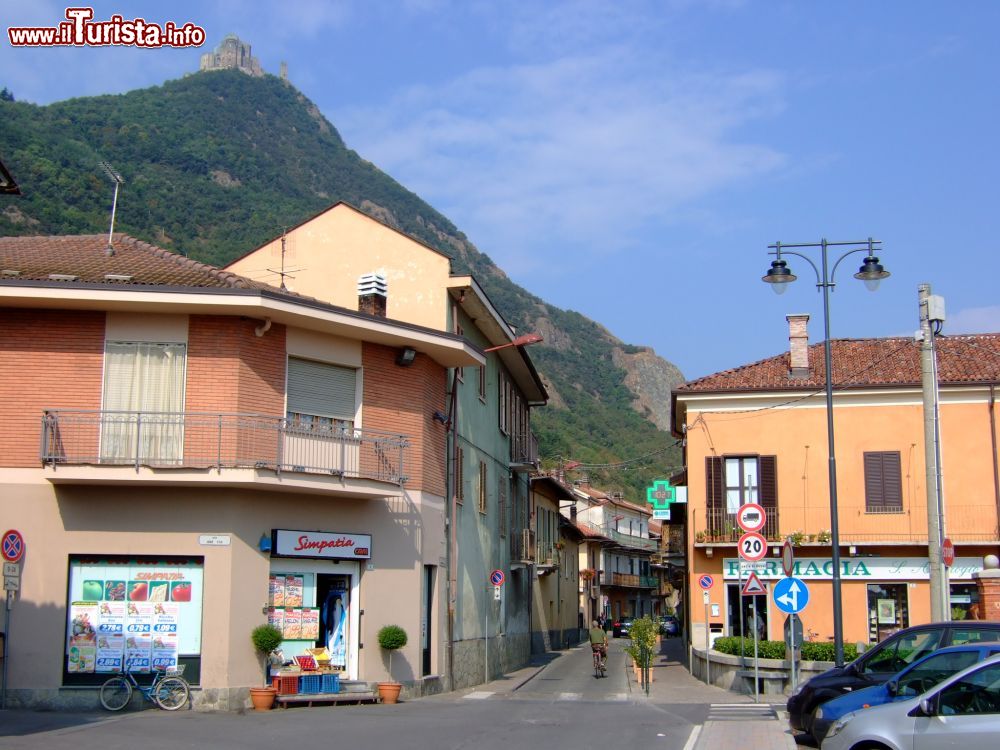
779	276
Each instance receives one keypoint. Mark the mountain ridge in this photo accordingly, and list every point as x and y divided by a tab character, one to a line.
217	163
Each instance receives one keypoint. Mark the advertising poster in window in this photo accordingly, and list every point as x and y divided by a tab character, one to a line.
82	641
886	611
140	613
111	635
276	617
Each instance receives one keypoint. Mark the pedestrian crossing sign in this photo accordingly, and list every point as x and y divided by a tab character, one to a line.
753	586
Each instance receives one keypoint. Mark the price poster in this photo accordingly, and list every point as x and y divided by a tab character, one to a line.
276	617
111	636
293	590
293	625
139	636
310	624
277	591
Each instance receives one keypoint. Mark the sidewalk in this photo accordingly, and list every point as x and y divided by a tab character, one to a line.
672	683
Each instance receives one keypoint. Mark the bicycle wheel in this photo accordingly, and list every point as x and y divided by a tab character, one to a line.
171	693
116	693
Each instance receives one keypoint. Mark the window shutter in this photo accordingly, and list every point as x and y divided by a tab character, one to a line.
320	389
768	468
883	481
714	483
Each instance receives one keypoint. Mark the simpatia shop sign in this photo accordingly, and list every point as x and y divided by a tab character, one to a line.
853	568
321	545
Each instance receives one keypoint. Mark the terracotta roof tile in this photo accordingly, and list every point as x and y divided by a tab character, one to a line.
859	363
85	257
589	531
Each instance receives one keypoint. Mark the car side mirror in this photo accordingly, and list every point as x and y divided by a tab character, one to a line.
892	687
924	708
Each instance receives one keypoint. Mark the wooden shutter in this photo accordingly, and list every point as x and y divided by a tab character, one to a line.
768	470
715	486
883	481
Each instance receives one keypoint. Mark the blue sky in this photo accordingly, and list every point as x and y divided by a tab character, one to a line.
633	160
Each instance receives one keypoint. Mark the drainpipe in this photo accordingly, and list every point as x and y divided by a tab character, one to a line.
993	443
451	549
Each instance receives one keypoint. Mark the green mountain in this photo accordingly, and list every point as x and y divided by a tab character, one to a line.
218	163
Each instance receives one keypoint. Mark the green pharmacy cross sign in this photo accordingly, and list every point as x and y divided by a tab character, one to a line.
660	495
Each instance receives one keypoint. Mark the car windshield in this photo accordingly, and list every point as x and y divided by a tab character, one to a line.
921	677
897	654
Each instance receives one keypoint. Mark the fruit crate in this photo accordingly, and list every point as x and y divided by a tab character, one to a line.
286	684
331	683
311	684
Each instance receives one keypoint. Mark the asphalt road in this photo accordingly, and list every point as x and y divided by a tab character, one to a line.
564	707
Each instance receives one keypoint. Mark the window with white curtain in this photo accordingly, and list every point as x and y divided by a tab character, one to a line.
143	402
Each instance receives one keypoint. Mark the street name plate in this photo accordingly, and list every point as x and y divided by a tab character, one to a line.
215	540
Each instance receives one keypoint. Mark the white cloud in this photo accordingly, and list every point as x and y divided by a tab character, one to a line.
974	320
574	154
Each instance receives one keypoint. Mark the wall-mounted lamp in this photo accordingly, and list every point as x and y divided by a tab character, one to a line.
264	544
708	551
406	356
852	550
440	417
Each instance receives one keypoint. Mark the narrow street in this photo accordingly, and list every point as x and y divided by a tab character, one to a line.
564	707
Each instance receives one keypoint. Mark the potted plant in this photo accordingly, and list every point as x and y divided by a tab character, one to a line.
587	574
824	536
391	638
266	639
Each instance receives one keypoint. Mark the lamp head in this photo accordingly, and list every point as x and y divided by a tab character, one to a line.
871	272
779	277
405	357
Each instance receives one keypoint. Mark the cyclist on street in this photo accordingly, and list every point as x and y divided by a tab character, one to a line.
599	641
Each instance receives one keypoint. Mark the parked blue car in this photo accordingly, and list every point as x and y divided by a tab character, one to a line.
917	678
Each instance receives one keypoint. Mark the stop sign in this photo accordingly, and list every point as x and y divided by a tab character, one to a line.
948	552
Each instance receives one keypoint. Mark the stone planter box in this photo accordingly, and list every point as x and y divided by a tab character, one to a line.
737	674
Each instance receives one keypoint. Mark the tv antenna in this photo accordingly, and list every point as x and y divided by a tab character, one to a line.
119	181
283	273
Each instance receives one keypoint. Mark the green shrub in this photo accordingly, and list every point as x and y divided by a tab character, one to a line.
391	637
776	649
266	639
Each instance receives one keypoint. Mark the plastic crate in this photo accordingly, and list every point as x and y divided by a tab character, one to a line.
311	684
286	684
331	683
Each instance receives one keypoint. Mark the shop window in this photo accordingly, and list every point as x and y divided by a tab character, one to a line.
964	598
140	612
143	381
883	482
887	610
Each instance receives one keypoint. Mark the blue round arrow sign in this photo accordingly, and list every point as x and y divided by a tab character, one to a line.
791	595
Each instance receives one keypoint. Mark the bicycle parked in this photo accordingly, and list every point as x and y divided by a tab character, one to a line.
168	690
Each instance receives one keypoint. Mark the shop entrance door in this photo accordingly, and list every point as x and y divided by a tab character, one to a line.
333	596
740	613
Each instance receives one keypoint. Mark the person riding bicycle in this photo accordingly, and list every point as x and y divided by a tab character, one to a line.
599	640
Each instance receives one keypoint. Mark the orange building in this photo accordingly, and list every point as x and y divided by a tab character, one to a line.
757	433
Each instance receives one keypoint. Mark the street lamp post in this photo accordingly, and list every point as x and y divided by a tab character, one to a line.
779	276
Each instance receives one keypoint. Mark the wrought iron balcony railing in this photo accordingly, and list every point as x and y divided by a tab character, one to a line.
721	526
218	441
524	448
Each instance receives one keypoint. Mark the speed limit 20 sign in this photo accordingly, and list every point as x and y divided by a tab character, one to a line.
753	547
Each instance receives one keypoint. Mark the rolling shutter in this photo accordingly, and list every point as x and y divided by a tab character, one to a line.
320	389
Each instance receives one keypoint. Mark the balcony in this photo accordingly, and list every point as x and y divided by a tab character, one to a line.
522	546
190	448
633	581
721	527
632	542
523	451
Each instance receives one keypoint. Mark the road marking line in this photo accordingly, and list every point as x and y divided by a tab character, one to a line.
693	737
570	696
478	695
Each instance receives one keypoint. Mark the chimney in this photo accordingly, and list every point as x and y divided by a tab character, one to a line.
798	345
372	292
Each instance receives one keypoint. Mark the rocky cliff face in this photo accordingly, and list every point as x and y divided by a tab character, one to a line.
652	379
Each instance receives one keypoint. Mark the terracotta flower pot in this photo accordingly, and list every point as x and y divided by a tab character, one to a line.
262	698
389	691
